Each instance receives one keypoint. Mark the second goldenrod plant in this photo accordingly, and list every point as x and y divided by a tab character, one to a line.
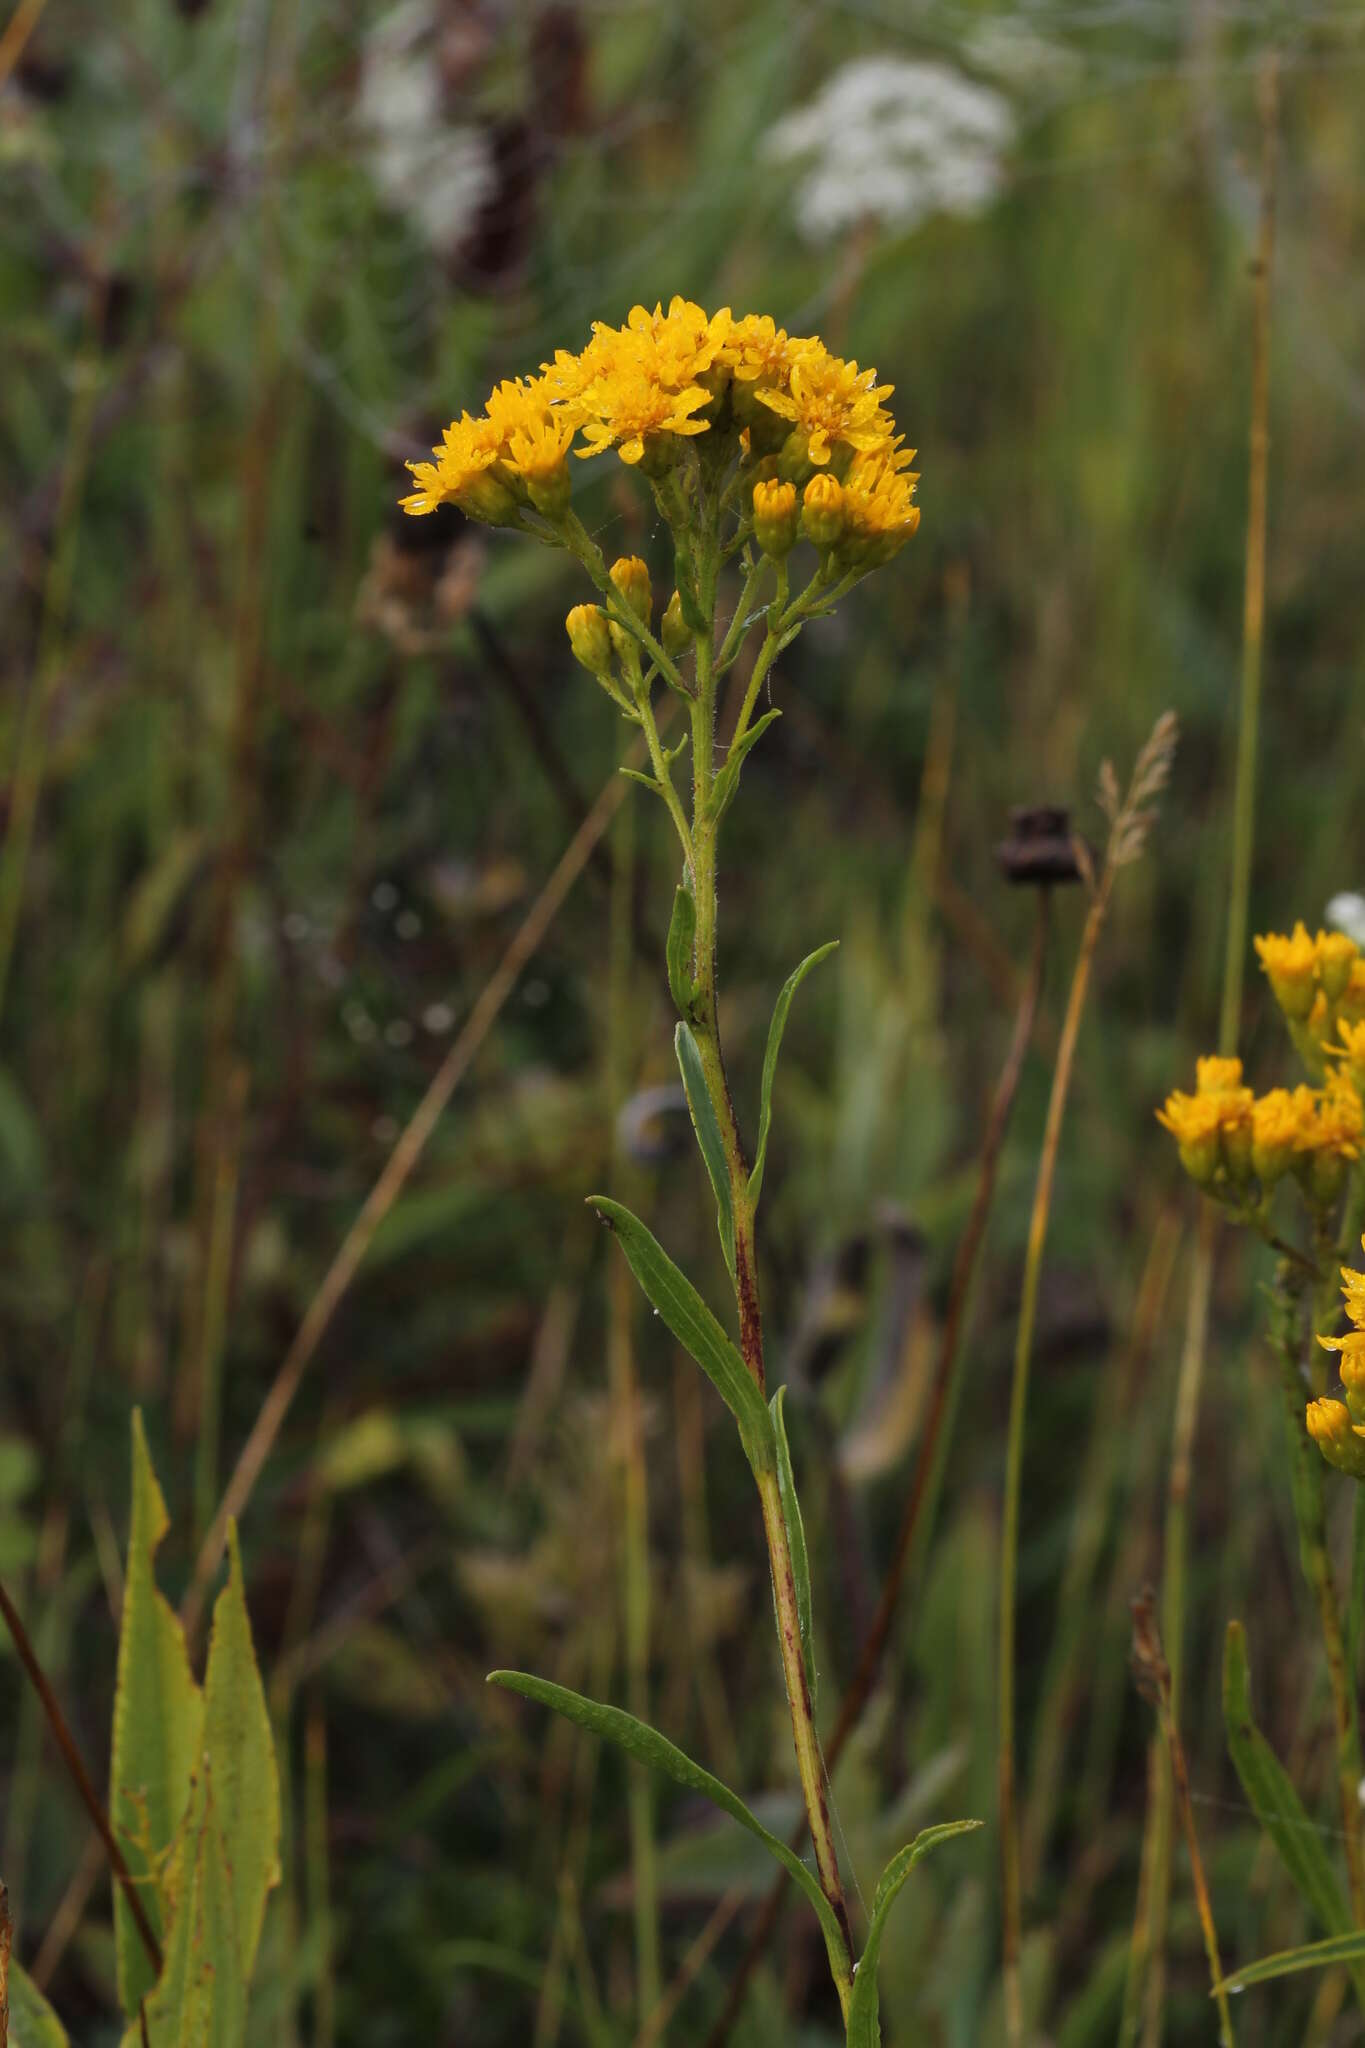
752	442
1245	1150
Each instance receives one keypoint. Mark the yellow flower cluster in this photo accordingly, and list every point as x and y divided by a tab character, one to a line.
1319	982
1230	1138
789	408
1335	1426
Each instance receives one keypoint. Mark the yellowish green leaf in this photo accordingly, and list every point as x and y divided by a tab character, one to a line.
238	1743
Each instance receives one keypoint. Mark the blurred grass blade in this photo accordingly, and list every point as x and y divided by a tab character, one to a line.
158	1719
864	2022
1317	1955
238	1741
646	1744
1277	1805
695	1328
709	1141
775	1031
32	2022
682	932
796	1533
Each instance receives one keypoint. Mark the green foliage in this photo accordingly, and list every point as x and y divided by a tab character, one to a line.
682	932
796	1533
709	1141
32	2022
1271	1792
1338	1949
649	1747
195	1798
864	2023
696	1329
775	1031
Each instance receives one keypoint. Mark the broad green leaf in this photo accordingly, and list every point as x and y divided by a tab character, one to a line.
682	932
709	1141
864	2022
727	782
775	1031
695	1328
158	1722
241	1754
796	1534
647	1746
1318	1955
1271	1793
32	2022
200	1996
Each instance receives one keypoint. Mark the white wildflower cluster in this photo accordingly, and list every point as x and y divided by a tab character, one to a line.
892	140
437	172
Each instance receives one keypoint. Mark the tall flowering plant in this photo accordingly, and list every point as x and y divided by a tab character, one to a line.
1290	1165
761	450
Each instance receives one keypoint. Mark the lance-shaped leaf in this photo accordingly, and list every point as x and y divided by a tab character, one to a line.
32	2022
158	1722
238	1743
647	1746
682	933
200	1996
727	782
1317	1955
864	2023
695	1328
796	1534
709	1142
1271	1793
775	1031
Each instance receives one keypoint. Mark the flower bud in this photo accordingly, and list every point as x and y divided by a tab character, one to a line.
486	497
631	578
1337	955
550	491
1329	1424
822	510
793	461
775	518
586	626
673	629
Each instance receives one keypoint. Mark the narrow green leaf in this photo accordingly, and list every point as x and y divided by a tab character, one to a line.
695	1328
1318	1955
158	1719
796	1533
1271	1793
775	1031
200	1996
727	782
682	932
864	2022
32	2022
707	1127
238	1743
645	781
646	1744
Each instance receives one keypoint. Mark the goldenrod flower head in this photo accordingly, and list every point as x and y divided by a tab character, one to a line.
1280	1122
831	401
1195	1122
1339	1126
586	626
1337	955
760	352
822	510
1291	966
1350	1050
468	452
1350	1349
880	514
1351	1005
631	577
1214	1075
1330	1426
775	517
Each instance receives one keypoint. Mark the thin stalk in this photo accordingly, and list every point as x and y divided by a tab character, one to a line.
80	1777
628	1430
929	1457
1190	1382
1012	1900
319	1890
1154	1681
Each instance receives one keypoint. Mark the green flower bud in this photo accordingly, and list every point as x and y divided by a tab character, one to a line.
631	577
673	628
